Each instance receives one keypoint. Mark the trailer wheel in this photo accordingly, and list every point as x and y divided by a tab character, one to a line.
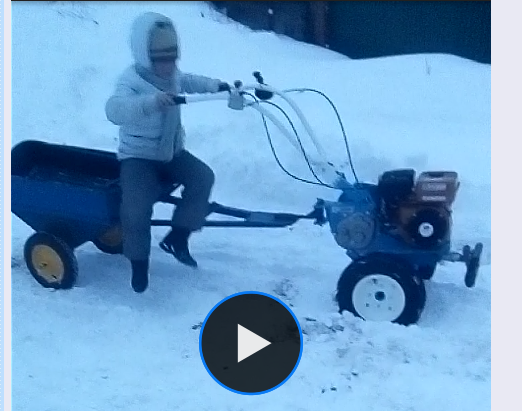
111	241
50	261
381	288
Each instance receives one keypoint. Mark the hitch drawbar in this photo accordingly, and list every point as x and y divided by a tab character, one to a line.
248	218
470	257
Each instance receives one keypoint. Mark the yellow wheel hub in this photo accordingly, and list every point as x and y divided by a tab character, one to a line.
112	237
47	263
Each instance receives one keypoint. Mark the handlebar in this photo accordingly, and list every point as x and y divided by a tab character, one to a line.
236	95
237	101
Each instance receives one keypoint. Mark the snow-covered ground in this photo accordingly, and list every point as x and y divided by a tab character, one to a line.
100	346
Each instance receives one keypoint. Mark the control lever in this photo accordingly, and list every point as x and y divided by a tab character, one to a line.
261	94
236	100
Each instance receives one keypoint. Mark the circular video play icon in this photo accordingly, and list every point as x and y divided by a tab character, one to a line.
251	343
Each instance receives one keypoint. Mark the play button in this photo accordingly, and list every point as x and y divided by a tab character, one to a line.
251	343
248	343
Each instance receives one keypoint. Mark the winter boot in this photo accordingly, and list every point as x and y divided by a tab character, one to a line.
176	243
140	275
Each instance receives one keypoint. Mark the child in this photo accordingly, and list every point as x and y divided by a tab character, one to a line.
151	144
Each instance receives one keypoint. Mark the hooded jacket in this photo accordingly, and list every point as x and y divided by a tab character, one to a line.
133	108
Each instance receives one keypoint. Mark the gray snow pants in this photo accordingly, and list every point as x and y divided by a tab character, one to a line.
141	187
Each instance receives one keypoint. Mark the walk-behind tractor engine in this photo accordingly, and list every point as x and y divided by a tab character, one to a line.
395	231
400	215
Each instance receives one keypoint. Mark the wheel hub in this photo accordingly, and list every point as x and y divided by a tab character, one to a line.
48	263
379	297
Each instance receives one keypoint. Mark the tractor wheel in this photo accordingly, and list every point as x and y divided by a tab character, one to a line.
421	288
111	241
50	261
426	272
381	288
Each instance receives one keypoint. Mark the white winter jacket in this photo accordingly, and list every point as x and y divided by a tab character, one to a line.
132	106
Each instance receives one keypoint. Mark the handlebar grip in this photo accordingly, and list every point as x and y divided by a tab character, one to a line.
263	94
179	99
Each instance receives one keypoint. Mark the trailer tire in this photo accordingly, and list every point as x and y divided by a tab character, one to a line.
381	288
111	241
51	261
